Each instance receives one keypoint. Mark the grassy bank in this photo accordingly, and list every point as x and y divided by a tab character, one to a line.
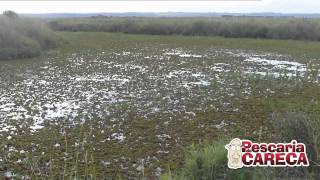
24	38
238	27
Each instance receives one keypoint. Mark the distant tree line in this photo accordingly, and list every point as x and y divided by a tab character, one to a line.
23	37
252	27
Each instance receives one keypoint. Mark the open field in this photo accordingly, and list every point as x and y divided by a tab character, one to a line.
112	105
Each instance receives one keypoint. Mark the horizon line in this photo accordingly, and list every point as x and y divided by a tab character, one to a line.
271	12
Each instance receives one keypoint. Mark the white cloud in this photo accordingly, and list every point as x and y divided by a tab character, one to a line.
285	6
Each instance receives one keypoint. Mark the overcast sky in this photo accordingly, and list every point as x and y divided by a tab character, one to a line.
282	6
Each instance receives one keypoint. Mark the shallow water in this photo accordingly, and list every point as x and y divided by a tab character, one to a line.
81	86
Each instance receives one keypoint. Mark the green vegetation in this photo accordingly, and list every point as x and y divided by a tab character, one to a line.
128	143
210	161
23	37
303	50
266	28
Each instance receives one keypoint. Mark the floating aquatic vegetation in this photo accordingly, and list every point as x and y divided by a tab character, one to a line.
88	85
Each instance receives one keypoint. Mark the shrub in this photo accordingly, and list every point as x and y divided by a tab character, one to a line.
10	14
299	126
24	38
271	28
210	162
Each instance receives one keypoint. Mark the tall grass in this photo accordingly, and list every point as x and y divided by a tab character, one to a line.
301	127
270	28
210	162
24	38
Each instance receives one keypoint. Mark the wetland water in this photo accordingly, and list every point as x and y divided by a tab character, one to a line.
106	86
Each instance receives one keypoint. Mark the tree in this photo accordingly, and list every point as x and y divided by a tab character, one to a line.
10	14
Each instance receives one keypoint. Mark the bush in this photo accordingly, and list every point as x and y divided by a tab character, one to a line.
271	28
299	126
10	14
24	38
210	162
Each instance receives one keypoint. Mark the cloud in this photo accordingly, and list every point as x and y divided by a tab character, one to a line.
284	6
